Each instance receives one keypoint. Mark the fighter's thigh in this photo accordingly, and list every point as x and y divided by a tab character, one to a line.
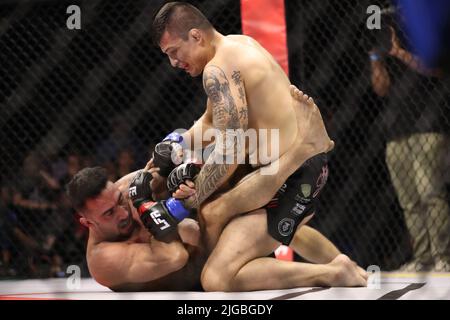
243	239
258	187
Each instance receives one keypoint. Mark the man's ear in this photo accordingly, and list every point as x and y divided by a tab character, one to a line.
85	222
196	34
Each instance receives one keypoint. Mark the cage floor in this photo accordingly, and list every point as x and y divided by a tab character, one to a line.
392	286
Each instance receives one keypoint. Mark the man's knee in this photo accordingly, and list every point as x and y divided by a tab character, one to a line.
212	212
215	280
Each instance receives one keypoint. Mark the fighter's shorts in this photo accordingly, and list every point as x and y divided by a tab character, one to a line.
296	199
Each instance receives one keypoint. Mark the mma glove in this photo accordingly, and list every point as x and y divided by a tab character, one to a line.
139	190
160	218
179	175
168	153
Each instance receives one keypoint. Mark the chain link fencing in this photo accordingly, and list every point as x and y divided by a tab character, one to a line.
104	95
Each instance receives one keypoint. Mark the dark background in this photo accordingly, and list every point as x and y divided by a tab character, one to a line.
95	92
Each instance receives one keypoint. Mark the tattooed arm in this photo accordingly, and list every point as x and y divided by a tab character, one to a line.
229	118
203	124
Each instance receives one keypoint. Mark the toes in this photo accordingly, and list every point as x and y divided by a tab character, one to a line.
363	273
292	89
300	95
363	282
330	146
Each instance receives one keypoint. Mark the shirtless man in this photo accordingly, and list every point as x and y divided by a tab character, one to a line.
124	256
246	90
121	253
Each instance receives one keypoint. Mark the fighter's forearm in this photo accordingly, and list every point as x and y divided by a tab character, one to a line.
209	179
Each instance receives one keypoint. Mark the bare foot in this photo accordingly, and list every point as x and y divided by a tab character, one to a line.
362	272
312	131
347	273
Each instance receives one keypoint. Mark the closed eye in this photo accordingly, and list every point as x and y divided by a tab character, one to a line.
108	213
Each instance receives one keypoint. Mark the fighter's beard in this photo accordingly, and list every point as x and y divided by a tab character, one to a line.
129	234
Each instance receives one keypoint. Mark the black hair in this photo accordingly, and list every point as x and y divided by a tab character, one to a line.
178	18
87	183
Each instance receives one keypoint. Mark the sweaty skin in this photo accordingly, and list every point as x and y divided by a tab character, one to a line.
238	260
125	257
260	188
249	92
130	259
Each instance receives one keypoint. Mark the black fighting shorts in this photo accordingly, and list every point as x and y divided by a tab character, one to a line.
296	199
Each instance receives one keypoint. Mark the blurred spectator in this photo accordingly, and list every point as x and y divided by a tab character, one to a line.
125	163
415	99
72	165
70	235
121	137
35	196
88	160
428	25
7	219
110	167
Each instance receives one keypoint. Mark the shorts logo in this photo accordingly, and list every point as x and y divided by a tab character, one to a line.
286	226
322	180
305	190
283	188
298	209
302	200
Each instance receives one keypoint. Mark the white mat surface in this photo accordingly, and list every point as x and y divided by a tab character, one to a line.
391	286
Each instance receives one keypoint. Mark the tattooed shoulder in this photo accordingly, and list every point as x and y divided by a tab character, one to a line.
217	87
